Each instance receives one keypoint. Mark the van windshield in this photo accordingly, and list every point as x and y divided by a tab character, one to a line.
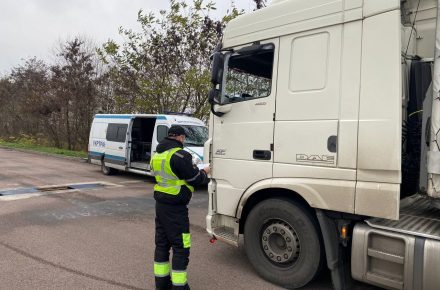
196	136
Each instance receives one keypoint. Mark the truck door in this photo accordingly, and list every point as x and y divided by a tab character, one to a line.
317	109
243	137
307	112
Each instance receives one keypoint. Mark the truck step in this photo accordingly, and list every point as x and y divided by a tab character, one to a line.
227	235
418	217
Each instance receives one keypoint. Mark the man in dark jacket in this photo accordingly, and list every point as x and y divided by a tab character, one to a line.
176	177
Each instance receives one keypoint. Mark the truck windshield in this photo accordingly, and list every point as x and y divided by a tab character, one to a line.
196	136
249	76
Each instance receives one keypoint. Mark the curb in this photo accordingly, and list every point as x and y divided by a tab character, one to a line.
77	159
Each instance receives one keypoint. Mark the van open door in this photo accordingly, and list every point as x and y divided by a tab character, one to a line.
116	144
140	143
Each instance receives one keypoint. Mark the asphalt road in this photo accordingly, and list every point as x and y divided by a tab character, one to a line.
100	238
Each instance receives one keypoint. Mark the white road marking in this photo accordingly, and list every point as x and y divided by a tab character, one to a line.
130	182
29	195
19	196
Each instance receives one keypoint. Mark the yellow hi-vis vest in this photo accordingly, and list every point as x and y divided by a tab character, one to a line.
167	181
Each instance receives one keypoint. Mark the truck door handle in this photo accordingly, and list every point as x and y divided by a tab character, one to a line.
332	144
120	147
262	154
428	132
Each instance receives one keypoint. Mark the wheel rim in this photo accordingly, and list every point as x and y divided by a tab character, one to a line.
280	242
104	168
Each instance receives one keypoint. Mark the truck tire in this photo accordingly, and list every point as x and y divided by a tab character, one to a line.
282	243
107	170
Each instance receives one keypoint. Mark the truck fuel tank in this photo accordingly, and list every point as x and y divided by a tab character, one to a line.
402	254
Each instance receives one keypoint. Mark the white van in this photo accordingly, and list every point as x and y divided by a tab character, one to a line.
127	142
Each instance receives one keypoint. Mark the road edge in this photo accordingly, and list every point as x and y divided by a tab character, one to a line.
78	159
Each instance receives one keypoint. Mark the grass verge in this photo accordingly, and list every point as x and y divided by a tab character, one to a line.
38	148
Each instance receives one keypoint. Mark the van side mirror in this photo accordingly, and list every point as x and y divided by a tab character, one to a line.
218	61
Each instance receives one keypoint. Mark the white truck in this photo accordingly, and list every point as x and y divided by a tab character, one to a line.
127	141
324	141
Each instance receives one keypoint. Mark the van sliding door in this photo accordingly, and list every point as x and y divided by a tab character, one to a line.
116	145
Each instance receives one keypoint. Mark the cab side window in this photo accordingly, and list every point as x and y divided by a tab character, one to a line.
162	132
116	132
249	76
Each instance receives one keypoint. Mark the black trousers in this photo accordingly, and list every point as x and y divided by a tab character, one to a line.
172	231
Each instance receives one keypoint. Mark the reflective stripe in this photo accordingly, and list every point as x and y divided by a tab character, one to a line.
179	278
186	237
161	269
152	167
194	178
162	173
173	182
164	184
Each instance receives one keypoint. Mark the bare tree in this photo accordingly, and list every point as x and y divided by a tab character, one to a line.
166	66
73	82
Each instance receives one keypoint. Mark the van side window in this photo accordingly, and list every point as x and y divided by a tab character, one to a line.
162	132
249	76
116	132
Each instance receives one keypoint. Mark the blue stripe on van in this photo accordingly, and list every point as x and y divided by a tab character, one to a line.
113	117
124	117
114	157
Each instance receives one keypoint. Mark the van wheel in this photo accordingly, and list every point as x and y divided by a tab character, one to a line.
107	170
282	243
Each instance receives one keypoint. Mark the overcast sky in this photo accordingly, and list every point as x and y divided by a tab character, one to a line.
34	27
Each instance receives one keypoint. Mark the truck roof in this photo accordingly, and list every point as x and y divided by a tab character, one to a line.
283	17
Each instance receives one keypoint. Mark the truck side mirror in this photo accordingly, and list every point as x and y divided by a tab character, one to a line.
218	61
213	98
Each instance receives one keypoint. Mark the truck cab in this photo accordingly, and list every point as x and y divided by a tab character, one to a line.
323	120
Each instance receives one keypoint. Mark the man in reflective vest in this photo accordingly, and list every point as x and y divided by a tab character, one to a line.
176	177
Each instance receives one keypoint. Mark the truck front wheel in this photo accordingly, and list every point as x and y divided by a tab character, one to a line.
282	243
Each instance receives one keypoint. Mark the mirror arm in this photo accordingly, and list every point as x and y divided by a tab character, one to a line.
218	114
